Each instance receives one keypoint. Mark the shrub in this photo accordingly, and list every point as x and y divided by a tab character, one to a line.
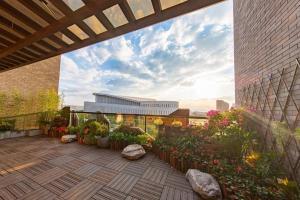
130	130
158	122
7	125
72	130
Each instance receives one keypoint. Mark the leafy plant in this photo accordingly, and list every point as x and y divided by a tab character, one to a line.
129	130
7	125
72	130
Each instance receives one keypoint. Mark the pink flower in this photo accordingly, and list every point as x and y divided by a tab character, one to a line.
205	127
225	122
212	113
239	169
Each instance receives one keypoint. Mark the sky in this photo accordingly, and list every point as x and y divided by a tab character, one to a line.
187	59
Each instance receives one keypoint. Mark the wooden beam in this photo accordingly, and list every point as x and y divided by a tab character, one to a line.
45	16
22	55
76	16
67	11
104	21
10	61
8	24
19	15
157	7
5	42
9	35
127	11
30	53
20	60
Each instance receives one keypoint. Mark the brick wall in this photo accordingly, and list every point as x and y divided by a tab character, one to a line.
267	39
32	78
267	76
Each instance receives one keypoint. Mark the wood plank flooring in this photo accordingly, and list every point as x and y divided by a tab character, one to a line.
43	168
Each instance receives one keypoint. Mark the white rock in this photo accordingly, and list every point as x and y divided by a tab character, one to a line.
68	138
204	184
133	152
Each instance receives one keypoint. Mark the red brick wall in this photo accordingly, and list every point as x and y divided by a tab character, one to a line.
30	79
267	39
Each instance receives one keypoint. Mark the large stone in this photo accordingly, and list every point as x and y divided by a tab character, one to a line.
204	184
68	138
133	152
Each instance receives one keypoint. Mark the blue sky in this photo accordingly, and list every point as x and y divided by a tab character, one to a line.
188	59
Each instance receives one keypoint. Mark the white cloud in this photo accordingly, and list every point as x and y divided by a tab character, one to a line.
185	59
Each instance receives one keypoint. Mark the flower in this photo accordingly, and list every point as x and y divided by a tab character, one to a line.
223	123
239	169
216	162
212	113
158	122
205	127
284	181
252	158
177	123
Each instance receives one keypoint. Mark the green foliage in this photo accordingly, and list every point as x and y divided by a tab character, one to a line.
128	130
116	136
73	130
7	125
15	103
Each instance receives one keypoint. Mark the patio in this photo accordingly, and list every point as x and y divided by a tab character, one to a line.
43	168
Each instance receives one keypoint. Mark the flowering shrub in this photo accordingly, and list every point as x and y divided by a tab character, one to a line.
177	124
158	122
224	149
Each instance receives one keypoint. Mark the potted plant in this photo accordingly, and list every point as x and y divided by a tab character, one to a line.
101	136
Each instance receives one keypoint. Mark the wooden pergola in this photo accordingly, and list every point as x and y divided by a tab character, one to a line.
33	30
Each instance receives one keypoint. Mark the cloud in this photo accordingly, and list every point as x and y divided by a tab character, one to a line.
186	59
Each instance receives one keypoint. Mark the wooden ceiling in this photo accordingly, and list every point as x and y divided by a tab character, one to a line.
33	30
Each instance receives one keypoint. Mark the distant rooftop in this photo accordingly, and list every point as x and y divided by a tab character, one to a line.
138	99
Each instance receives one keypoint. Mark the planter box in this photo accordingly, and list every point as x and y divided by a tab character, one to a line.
15	134
11	134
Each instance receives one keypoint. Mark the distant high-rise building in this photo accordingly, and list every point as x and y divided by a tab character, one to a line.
222	105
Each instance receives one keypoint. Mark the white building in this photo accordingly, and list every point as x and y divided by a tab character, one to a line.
106	103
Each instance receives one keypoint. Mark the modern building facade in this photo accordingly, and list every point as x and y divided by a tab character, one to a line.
107	103
222	105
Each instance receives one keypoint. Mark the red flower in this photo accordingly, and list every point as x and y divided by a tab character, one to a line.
216	162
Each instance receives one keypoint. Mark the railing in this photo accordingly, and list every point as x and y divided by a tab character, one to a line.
145	122
23	122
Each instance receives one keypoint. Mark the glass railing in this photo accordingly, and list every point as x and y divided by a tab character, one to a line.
149	123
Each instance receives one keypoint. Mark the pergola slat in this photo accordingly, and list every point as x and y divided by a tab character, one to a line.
127	11
45	16
67	11
24	56
28	52
157	6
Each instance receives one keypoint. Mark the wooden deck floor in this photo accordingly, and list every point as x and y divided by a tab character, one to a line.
40	168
